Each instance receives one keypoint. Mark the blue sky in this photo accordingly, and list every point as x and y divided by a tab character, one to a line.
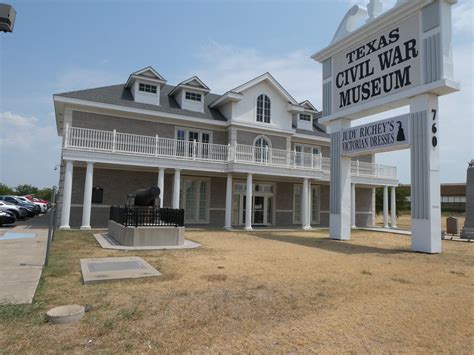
61	46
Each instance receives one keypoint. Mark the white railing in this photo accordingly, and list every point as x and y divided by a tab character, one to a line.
116	142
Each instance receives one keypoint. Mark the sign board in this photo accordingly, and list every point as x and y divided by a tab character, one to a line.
381	65
381	136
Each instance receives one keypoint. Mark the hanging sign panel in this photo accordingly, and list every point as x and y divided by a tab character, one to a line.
381	136
379	66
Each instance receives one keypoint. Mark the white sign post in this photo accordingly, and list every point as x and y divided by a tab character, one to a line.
399	58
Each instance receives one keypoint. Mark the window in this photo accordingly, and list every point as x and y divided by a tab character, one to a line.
297	204
147	88
97	194
195	200
261	150
185	142
305	117
193	96
263	109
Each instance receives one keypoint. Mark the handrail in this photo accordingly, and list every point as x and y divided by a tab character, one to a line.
117	142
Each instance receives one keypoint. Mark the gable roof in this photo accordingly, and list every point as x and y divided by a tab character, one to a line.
147	73
192	83
308	105
266	76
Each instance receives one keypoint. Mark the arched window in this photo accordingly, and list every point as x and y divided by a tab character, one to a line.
263	108
261	149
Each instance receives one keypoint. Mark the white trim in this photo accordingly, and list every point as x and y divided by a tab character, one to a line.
263	126
182	199
263	109
228	96
136	75
303	136
271	79
67	100
269	141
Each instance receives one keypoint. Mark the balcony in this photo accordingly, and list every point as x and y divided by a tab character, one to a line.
116	143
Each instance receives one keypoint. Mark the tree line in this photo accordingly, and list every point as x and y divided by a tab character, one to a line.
26	189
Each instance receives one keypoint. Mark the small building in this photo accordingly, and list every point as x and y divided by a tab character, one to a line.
453	196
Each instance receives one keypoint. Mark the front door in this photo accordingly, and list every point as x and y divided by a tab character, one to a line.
259	210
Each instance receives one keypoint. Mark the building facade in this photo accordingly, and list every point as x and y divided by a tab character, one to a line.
250	157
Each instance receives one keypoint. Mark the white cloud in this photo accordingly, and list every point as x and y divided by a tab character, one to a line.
24	133
224	67
29	150
463	16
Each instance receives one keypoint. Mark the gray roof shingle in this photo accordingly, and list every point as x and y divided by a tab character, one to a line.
118	95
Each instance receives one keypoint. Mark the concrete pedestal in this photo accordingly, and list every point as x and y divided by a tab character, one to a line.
468	230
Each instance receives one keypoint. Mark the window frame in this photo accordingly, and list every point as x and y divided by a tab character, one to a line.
263	115
191	94
305	114
151	88
182	198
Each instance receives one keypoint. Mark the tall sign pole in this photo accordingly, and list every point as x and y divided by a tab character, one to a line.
402	57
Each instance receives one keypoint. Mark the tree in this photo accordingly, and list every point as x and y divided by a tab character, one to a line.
401	197
26	189
44	193
5	190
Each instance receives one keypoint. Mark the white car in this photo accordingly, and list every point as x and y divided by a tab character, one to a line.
42	206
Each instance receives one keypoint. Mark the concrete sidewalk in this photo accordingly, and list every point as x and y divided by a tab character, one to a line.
22	260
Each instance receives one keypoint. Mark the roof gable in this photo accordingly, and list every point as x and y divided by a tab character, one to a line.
147	73
192	83
308	105
268	77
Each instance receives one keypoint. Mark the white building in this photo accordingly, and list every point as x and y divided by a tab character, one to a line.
252	156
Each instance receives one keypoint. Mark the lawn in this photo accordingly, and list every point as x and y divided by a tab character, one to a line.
404	219
258	292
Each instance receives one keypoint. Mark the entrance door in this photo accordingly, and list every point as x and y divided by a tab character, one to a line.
259	210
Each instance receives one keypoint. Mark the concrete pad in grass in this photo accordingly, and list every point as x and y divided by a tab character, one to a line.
107	269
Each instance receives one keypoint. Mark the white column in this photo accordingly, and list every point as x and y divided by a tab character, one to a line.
425	187
305	206
161	185
87	205
228	203
66	199
385	206
248	205
340	217
176	188
393	208
353	205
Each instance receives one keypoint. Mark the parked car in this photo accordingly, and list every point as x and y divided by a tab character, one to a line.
35	199
6	218
18	212
28	205
43	207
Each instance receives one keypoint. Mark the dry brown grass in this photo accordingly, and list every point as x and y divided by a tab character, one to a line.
258	292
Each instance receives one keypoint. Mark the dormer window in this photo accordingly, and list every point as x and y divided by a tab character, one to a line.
305	117
263	109
193	96
147	88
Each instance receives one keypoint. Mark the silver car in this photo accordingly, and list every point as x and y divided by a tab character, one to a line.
17	211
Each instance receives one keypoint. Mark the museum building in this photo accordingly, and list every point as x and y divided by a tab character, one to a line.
251	157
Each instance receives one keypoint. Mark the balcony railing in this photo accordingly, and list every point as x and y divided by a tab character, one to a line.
116	142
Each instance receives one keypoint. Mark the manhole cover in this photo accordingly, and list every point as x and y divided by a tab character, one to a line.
115	266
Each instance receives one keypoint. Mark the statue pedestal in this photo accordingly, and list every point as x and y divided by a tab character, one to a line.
468	230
